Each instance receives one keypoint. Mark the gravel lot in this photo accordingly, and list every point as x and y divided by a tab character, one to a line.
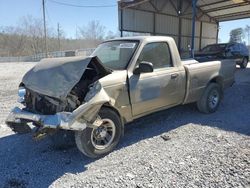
201	150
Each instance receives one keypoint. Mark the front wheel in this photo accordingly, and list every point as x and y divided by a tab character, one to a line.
211	98
99	141
244	63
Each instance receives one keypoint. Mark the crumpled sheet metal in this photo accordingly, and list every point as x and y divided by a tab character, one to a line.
55	77
77	120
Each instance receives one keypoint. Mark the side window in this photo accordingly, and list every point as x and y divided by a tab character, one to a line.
157	53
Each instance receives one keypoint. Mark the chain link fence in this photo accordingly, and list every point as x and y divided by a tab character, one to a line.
38	57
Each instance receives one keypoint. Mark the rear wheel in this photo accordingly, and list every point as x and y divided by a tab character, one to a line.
99	141
211	98
244	63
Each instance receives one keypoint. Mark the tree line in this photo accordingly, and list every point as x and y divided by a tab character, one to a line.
27	38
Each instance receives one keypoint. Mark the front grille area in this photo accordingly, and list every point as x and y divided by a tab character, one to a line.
42	104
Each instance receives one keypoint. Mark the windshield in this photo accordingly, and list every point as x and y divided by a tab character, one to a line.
214	48
116	54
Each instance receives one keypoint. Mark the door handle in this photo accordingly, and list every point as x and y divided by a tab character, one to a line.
175	75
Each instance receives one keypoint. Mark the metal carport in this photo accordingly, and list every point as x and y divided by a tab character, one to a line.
189	22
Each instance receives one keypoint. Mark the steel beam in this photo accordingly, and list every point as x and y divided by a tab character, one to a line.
185	9
217	33
132	4
173	5
121	34
194	2
214	3
180	7
243	13
200	39
154	6
234	18
164	5
226	7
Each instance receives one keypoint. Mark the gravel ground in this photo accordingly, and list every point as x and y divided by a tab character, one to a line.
178	147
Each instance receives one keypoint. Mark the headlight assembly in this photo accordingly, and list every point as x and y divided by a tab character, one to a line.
93	90
21	94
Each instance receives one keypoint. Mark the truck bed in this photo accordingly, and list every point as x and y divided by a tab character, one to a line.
200	74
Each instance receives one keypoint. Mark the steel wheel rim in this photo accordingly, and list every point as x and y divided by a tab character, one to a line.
213	99
103	136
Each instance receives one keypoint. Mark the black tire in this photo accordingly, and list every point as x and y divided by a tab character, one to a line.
244	63
210	99
62	139
85	139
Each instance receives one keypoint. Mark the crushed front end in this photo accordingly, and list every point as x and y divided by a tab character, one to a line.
75	109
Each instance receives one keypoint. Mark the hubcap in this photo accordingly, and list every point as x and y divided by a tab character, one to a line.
103	136
213	99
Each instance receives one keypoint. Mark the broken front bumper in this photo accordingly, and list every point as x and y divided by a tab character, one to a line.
85	115
62	120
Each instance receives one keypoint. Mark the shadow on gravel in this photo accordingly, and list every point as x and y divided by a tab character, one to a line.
26	163
232	115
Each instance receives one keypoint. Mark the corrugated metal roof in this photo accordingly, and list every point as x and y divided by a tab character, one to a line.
224	10
220	10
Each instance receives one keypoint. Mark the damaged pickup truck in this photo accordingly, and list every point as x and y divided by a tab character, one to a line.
124	79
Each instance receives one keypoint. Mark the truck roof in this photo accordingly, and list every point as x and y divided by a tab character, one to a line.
144	38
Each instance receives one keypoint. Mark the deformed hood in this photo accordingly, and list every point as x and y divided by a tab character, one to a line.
56	77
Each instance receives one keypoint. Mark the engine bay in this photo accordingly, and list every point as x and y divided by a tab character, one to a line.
47	105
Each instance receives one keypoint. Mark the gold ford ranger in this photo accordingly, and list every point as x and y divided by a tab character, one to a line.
124	79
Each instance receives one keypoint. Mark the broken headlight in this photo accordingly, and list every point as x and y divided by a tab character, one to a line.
21	95
93	90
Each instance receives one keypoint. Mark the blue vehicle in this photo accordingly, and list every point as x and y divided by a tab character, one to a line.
237	51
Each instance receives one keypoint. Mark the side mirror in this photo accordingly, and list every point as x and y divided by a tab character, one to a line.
144	67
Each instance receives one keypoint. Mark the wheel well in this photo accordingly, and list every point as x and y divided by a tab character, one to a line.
107	105
123	121
217	80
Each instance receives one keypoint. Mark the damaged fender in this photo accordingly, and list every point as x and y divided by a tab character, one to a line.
87	113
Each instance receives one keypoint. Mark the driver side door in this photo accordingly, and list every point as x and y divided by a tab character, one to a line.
163	87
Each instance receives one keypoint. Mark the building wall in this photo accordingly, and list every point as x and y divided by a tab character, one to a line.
165	20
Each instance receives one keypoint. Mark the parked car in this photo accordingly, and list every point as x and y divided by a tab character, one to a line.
237	51
125	79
